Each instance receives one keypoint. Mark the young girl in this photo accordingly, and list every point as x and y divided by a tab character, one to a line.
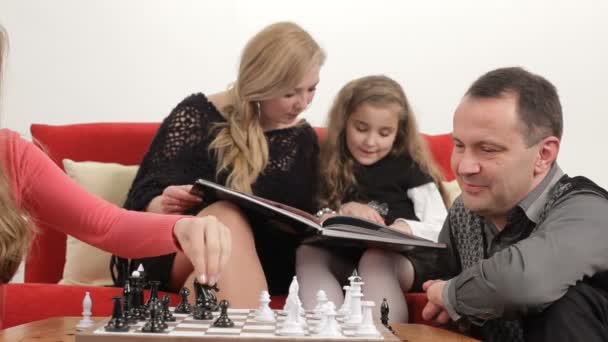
374	164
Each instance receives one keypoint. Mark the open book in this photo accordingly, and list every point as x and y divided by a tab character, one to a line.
338	230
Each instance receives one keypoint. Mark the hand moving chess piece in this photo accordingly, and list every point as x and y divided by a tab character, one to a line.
223	321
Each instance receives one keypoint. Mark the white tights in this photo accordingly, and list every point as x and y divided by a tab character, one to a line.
385	274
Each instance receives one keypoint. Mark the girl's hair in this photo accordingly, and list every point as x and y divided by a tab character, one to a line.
273	62
337	164
15	232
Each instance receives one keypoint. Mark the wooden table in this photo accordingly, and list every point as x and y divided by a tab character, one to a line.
61	329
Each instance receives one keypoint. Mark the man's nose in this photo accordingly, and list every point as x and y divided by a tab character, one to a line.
468	164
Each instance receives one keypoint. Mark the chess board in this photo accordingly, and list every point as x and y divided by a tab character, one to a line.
186	328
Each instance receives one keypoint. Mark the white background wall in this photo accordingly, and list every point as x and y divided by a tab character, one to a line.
118	60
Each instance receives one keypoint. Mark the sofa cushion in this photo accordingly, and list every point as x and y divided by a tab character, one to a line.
110	181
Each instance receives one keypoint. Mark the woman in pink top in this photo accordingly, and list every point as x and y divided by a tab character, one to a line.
35	192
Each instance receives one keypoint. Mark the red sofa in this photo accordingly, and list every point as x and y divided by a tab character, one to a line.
123	143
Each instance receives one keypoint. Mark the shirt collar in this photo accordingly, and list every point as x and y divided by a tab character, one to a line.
534	202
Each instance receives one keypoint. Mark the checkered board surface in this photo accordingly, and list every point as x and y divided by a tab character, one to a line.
245	328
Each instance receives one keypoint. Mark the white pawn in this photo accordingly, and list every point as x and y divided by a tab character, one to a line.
264	312
136	274
367	327
87	305
329	326
321	300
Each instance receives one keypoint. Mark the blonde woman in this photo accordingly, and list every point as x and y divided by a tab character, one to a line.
251	139
374	164
35	192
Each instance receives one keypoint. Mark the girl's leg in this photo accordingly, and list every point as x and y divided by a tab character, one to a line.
317	269
387	275
242	279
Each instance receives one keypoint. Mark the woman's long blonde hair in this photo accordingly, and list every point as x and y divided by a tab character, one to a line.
15	232
337	164
273	62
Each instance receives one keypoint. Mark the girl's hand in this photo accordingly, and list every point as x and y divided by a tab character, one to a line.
207	243
175	199
402	226
361	210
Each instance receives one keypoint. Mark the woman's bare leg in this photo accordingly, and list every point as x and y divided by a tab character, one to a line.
243	278
387	275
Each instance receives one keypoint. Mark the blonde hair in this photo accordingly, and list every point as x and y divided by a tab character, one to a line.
337	164
273	62
15	232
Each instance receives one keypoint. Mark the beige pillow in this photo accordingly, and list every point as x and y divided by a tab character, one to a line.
452	189
85	264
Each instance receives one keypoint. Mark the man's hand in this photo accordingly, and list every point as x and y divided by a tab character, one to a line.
402	226
435	308
361	210
207	243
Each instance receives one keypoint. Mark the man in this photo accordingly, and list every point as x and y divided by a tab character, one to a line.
527	245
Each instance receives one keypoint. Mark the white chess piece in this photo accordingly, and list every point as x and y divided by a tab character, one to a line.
87	306
321	300
264	312
136	274
355	315
140	268
329	326
367	327
345	308
291	325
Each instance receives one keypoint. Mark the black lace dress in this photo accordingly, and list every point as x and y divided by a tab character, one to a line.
179	154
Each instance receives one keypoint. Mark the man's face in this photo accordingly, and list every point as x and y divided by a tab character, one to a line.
494	166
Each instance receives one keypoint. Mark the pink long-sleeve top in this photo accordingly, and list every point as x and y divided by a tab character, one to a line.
54	201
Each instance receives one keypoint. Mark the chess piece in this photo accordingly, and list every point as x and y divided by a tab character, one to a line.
205	295
137	309
367	327
329	327
154	324
264	313
321	301
345	308
292	325
202	313
184	307
154	284
127	298
87	306
223	321
167	315
117	323
384	309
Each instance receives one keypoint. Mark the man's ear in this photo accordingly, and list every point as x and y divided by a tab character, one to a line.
548	149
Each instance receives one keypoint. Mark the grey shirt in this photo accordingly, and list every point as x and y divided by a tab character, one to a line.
522	276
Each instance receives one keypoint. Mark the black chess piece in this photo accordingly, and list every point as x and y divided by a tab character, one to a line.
184	307
223	321
154	324
154	284
384	315
117	323
137	302
202	313
127	295
205	295
167	315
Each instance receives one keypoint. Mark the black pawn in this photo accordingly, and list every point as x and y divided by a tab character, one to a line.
117	323
184	307
384	315
223	321
167	315
154	324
